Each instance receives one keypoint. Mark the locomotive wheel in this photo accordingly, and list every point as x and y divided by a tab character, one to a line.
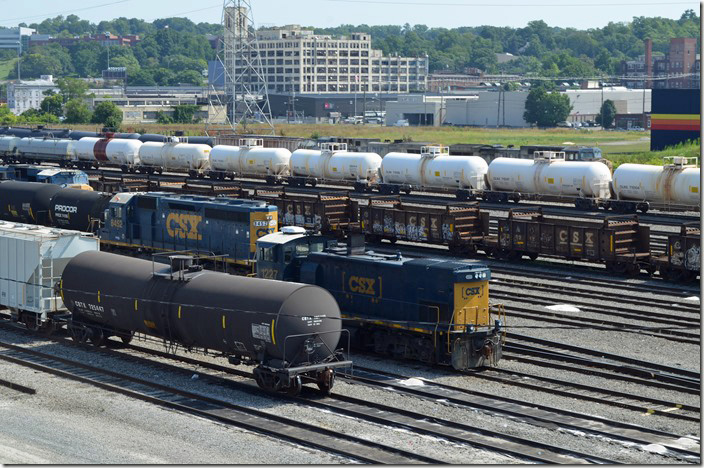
295	386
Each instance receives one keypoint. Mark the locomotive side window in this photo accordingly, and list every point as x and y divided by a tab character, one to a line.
317	247
266	254
302	250
288	254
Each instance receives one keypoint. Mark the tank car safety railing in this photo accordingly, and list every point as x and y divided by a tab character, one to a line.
195	256
287	365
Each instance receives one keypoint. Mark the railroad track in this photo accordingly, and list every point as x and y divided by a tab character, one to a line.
584	306
540	415
211	408
572	291
625	368
522	448
671	332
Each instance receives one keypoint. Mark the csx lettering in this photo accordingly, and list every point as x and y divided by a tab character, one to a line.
263	232
575	237
362	285
469	292
183	226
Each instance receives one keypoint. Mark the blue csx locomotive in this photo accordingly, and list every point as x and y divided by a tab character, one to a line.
432	310
157	221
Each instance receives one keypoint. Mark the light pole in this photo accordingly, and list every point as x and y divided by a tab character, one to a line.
19	57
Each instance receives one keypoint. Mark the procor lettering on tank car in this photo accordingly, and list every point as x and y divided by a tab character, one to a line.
290	331
163	221
430	310
52	205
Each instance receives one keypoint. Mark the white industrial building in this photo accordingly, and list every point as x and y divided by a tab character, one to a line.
25	95
296	60
483	109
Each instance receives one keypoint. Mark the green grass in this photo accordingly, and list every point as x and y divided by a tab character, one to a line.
6	66
688	149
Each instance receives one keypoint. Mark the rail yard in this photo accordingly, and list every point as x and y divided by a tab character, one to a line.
326	307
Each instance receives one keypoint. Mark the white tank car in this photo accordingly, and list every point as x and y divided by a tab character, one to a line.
83	149
8	144
250	158
174	155
332	164
123	152
51	149
549	174
678	182
434	168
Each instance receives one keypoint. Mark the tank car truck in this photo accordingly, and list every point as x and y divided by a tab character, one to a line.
431	310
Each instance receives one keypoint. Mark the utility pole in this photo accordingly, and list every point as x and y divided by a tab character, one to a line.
503	117
364	105
498	108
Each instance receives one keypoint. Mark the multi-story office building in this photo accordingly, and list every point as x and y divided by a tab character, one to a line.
295	60
25	95
15	38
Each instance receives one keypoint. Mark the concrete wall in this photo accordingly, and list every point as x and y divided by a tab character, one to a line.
482	111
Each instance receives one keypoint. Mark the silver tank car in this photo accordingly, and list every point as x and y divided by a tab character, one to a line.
47	149
291	330
8	145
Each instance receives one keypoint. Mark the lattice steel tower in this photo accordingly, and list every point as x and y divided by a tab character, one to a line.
245	88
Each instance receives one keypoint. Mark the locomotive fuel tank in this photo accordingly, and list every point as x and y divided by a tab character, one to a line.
250	160
283	326
335	165
434	167
78	209
26	202
672	183
550	175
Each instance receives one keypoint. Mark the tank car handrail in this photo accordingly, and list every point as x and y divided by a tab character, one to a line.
331	353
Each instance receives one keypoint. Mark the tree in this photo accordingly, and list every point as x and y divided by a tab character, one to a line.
77	112
163	118
546	109
107	114
184	113
37	116
53	104
72	88
607	115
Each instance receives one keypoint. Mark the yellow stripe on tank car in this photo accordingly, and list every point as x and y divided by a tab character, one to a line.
273	338
98	296
135	304
179	312
223	322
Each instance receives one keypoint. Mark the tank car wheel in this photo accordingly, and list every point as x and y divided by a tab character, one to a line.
295	386
619	267
79	333
633	269
126	338
326	381
124	169
97	337
533	256
192	174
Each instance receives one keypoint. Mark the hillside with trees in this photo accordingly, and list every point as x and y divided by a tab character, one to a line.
175	50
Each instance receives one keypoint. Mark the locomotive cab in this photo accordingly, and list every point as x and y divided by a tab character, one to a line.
280	255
